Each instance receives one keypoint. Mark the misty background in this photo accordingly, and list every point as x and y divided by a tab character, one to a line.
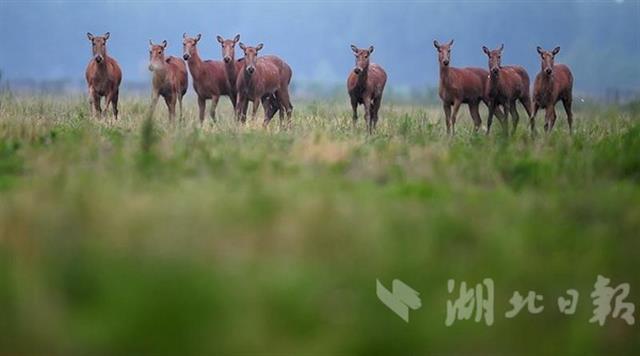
45	41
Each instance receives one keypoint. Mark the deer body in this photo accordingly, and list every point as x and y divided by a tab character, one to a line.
170	79
209	77
460	86
365	85
263	79
554	83
103	76
506	86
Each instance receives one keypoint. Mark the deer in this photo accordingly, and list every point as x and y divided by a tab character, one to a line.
263	79
554	83
170	79
506	86
460	86
103	76
209	77
233	67
365	85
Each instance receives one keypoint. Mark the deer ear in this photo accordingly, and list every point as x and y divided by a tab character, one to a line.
436	44
198	37
555	50
220	39
90	36
259	47
184	35
236	39
370	49
451	43
106	35
485	50
150	43
164	43
501	47
354	49
242	47
540	50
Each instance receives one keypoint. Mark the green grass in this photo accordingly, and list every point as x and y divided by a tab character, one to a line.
149	237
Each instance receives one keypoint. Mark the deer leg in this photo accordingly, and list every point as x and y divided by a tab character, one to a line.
212	109
275	103
255	106
354	109
233	98
566	102
549	117
505	121
367	114
154	101
514	116
268	106
447	116
172	110
285	103
454	112
376	109
475	115
171	107
180	103
114	105
532	117
526	102
92	100
202	104
241	106
107	102
492	109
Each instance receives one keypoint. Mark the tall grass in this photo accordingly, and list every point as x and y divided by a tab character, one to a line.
145	236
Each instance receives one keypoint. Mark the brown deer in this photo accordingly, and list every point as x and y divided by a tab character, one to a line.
103	76
263	79
365	85
460	86
209	77
170	79
233	67
553	83
506	86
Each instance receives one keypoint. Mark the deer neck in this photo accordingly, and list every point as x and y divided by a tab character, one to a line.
230	70
547	80
363	77
160	72
195	63
445	76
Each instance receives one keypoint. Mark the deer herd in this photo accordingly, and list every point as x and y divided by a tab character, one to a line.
265	80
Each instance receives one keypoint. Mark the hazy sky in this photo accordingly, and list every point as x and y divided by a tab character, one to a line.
599	39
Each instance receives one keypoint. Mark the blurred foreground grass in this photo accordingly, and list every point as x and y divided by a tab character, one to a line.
179	239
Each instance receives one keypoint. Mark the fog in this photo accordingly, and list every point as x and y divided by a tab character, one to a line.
46	40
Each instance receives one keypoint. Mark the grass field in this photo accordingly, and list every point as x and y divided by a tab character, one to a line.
147	237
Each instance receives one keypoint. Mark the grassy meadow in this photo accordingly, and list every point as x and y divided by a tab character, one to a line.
149	237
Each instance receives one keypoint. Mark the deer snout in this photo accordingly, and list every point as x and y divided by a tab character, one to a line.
494	70
548	71
99	58
251	69
227	59
186	56
357	70
445	62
